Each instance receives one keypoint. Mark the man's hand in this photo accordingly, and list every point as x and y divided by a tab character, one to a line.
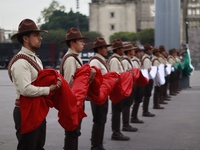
92	75
56	86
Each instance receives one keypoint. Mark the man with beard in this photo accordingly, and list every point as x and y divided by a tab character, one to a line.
23	70
99	112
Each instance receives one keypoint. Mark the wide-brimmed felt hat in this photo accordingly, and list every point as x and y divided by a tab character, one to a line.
100	42
25	26
138	50
128	47
72	34
171	51
147	46
155	50
162	48
116	44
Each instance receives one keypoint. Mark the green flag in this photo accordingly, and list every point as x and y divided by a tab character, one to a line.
188	68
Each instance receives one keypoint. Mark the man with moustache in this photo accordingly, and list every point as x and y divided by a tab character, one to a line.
23	70
99	112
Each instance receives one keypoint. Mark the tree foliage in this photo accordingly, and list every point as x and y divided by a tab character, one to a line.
92	35
62	20
124	36
54	36
146	36
47	12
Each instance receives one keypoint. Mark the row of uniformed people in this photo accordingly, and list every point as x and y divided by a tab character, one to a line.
124	58
29	36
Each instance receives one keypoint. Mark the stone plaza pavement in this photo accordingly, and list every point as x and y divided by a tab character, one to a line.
177	127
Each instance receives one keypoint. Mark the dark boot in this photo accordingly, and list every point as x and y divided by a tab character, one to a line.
156	98
97	136
125	118
71	143
118	136
146	112
134	114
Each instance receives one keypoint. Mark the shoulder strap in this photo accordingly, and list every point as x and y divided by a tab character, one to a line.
142	62
128	61
65	58
117	59
136	61
155	60
171	57
22	56
99	59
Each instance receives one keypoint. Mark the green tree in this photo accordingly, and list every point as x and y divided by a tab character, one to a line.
47	12
146	36
54	36
62	20
124	36
92	35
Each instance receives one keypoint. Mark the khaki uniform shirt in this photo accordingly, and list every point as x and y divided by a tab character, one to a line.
171	60
178	60
146	62
98	64
115	65
155	61
126	64
162	60
136	62
23	74
70	66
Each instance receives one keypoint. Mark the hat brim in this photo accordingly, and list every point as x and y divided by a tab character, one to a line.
130	49
84	38
24	32
107	45
112	49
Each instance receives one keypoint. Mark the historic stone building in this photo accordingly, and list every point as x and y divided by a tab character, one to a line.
110	16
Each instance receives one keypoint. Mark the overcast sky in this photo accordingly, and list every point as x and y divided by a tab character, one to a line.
12	12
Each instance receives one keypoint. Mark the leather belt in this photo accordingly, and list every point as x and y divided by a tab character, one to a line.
17	103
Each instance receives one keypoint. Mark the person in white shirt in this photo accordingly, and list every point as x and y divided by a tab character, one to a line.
99	112
138	91
129	51
146	64
23	72
115	64
70	63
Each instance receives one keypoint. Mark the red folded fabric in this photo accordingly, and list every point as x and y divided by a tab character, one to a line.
101	86
142	81
69	104
123	88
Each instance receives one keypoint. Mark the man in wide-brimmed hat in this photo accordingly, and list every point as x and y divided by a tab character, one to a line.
138	91
146	64
157	89
115	64
163	59
129	51
100	47
23	70
70	63
173	75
